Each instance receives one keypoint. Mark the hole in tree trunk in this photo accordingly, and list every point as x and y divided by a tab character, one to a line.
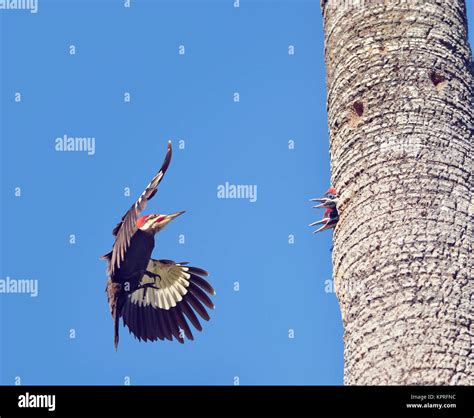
438	80
358	108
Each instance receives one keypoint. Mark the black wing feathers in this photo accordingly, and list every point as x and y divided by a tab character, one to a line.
125	229
148	319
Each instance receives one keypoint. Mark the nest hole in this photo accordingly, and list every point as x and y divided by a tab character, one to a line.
358	108
356	111
438	80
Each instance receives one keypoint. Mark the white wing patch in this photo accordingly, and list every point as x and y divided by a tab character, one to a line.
168	289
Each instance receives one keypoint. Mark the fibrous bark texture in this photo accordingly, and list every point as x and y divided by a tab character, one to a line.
401	121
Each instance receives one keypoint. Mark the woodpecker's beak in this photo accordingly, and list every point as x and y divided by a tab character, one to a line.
162	222
325	202
175	215
328	223
324	227
322	205
322	221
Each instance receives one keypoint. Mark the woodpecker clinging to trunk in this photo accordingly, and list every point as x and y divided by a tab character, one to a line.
331	215
155	298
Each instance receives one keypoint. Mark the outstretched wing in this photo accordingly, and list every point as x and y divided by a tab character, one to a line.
128	225
165	303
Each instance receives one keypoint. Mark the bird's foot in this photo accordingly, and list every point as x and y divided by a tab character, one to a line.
152	275
148	285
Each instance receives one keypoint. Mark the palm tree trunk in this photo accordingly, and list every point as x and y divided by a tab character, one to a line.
399	95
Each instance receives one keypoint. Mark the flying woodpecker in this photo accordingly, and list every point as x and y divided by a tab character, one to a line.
155	298
331	215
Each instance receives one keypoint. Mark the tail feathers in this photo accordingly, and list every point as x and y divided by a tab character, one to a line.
113	290
107	256
116	329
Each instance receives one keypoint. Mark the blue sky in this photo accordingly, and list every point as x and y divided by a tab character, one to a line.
188	98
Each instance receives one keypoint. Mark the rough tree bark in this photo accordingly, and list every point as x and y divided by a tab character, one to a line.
399	95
